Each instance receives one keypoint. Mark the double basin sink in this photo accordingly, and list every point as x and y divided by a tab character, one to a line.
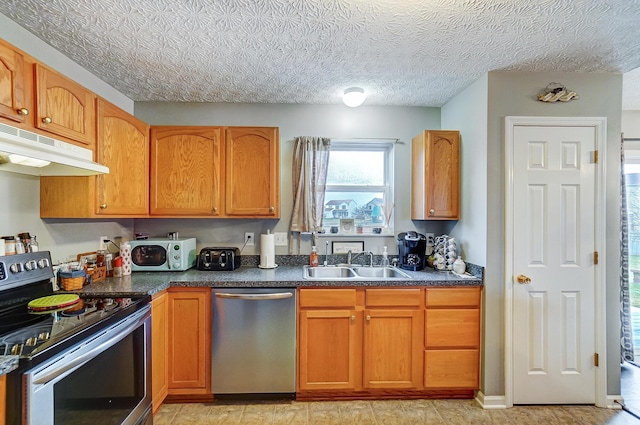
349	272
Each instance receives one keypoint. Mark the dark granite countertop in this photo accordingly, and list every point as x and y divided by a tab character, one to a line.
7	364
149	283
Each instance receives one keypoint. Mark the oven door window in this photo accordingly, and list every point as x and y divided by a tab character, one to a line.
106	389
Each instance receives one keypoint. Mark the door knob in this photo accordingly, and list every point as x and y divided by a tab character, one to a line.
523	279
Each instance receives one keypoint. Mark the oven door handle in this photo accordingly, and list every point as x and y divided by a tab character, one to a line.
255	297
74	363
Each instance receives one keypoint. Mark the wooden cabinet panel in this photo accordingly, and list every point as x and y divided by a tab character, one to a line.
435	175
189	340
451	369
159	349
452	328
393	297
3	398
252	172
64	108
12	84
332	298
453	297
329	349
186	171
393	348
123	146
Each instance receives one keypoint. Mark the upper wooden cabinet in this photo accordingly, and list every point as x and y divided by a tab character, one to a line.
13	99
64	107
435	175
123	146
186	171
252	173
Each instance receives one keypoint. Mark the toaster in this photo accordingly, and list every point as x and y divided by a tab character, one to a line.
214	259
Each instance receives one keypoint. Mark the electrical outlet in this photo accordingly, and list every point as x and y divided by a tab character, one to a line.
249	238
431	238
280	238
102	244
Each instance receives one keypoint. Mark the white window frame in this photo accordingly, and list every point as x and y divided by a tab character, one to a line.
369	145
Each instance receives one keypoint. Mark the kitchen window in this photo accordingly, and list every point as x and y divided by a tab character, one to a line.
359	187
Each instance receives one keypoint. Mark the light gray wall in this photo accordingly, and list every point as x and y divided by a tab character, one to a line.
631	124
514	94
334	121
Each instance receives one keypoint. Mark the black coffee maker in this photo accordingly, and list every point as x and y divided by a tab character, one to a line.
412	248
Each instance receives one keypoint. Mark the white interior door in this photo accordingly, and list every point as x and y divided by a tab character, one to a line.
554	276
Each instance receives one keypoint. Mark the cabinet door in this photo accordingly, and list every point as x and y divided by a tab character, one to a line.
159	349
435	175
450	369
189	341
123	146
329	349
12	89
3	398
252	172
186	171
64	108
393	341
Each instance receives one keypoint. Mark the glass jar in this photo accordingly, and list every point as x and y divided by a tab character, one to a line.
9	245
33	245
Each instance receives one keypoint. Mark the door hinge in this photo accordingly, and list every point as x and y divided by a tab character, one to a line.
595	257
596	359
595	156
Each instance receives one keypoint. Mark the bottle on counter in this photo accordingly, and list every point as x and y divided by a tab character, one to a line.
20	249
385	258
117	266
314	258
33	245
9	245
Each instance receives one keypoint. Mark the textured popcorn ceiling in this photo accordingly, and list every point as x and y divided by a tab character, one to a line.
402	52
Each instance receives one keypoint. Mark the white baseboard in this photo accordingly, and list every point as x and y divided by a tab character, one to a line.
491	401
614	402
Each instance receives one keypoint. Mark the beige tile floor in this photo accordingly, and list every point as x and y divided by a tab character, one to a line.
389	412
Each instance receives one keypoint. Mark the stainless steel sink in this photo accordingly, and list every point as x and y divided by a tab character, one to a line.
381	272
329	273
353	273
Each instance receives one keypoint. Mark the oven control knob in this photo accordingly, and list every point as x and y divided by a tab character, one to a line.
31	265
15	268
43	263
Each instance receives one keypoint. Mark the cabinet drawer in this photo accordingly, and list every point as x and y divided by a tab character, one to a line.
452	328
453	297
392	297
451	369
327	298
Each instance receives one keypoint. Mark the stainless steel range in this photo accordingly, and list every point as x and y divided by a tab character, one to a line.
84	363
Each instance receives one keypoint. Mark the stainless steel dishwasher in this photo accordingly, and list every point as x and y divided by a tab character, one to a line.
253	341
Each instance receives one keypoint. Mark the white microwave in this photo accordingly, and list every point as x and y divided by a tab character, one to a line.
163	254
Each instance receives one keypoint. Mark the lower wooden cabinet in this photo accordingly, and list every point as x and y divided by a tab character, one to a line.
383	342
159	349
189	341
3	398
452	338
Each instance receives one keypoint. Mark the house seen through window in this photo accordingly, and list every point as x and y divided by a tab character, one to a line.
359	187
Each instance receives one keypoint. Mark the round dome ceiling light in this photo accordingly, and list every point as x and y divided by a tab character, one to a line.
353	96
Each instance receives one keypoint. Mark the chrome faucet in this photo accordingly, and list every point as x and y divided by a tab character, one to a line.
351	257
326	256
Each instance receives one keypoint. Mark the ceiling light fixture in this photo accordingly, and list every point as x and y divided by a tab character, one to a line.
353	96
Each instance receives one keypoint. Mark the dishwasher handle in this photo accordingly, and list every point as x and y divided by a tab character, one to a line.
255	297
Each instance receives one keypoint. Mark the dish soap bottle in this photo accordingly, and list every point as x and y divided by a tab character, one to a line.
314	259
385	258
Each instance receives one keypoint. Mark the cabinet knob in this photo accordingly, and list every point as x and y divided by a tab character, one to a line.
46	120
368	317
353	317
272	209
103	206
23	111
432	211
215	209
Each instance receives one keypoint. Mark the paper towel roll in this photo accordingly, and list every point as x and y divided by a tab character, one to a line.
125	253
268	251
